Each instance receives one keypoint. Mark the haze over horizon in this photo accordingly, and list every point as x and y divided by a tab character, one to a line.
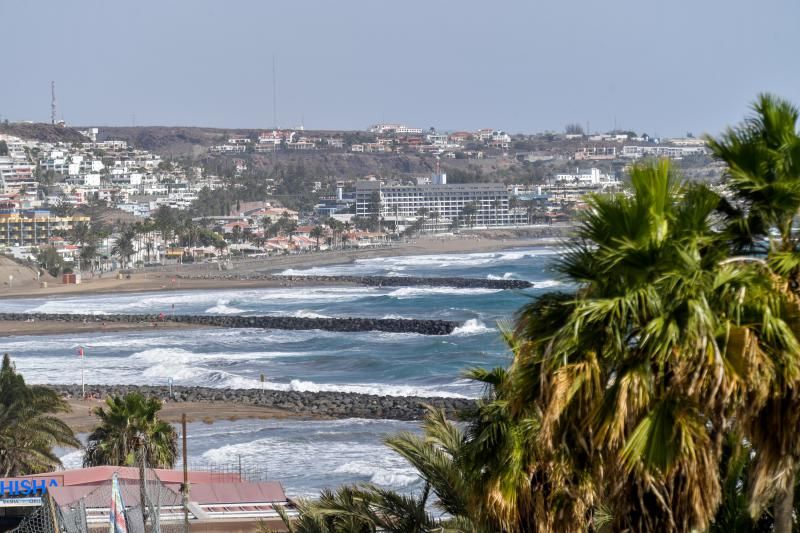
656	68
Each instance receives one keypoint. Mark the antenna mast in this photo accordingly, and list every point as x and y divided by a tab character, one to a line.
53	103
274	97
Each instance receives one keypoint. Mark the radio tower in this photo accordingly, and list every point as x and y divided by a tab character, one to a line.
53	103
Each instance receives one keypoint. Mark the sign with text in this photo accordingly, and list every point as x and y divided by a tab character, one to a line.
21	487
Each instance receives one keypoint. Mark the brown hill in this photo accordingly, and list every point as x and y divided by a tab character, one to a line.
42	132
23	275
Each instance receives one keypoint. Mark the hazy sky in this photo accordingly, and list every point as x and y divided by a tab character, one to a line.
524	66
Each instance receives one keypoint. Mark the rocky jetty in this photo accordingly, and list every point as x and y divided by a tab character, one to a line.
375	281
312	404
399	325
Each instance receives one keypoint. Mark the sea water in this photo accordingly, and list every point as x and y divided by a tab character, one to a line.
366	362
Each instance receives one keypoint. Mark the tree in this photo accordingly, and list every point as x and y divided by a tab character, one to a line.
316	233
422	215
237	233
573	129
49	259
130	428
763	172
370	508
469	211
124	246
28	428
641	373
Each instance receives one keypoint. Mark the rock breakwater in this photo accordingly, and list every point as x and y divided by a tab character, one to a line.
424	327
375	281
312	404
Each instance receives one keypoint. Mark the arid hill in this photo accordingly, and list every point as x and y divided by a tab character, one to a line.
42	132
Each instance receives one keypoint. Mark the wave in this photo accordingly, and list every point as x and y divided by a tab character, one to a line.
507	275
302	313
472	326
547	284
377	389
222	308
388	477
413	292
393	264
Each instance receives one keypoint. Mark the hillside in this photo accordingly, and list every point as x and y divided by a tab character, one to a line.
23	275
41	132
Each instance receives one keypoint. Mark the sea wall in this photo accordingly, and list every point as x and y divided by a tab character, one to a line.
375	281
318	404
424	327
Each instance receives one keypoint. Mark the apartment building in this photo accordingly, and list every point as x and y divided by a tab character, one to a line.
403	202
672	152
32	227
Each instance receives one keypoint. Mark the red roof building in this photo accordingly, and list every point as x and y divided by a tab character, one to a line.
218	502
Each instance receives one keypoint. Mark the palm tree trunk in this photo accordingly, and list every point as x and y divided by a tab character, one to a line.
784	507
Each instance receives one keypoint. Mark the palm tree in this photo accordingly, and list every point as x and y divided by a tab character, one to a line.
129	429
641	373
28	428
369	508
316	233
763	173
124	247
422	215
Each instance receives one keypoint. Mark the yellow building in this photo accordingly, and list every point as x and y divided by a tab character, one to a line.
33	227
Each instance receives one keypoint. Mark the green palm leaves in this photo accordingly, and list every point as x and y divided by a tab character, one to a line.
28	428
655	356
130	426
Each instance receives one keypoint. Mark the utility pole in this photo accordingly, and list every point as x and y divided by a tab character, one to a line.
53	103
185	477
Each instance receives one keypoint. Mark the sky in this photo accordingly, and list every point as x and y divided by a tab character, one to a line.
664	68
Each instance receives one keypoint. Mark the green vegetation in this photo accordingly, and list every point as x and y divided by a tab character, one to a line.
130	427
28	428
659	395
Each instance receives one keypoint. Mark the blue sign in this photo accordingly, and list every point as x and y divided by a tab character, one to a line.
26	486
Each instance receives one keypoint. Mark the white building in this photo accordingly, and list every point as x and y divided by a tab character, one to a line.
591	178
403	203
658	150
395	128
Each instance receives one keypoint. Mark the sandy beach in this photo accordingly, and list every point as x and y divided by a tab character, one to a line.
165	278
81	419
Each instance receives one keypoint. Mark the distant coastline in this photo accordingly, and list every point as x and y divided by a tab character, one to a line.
166	278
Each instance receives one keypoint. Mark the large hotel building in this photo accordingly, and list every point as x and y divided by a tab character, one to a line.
403	202
32	227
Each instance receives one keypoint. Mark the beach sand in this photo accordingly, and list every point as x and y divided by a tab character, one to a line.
81	419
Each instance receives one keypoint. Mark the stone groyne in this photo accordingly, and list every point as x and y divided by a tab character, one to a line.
424	327
375	281
312	404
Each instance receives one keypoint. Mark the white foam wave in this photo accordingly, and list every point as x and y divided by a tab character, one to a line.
378	389
413	292
507	275
547	284
388	477
390	265
302	313
222	308
472	326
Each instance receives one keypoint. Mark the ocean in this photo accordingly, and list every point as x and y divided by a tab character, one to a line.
305	455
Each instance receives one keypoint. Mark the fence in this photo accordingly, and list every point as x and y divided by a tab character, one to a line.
149	507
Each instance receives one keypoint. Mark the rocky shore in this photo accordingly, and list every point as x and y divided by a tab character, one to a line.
392	325
312	404
374	281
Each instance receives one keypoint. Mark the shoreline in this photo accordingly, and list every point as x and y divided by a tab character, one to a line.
81	419
174	277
